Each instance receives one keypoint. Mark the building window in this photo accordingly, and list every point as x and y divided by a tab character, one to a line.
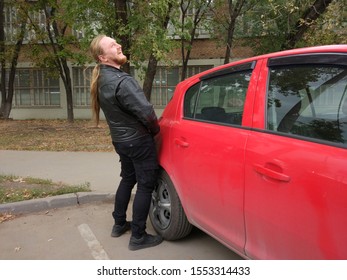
79	31
193	70
165	82
36	87
37	25
10	26
12	23
206	15
81	86
202	31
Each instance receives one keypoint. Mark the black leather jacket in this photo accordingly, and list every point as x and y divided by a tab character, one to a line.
128	113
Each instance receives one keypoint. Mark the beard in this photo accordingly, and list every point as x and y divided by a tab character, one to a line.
121	60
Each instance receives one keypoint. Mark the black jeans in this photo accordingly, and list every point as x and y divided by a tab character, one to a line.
138	165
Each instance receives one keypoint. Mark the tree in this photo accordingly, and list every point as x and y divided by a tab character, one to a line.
9	54
284	24
309	16
330	28
160	17
193	12
54	45
226	15
139	26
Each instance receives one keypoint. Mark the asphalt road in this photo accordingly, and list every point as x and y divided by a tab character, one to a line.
82	232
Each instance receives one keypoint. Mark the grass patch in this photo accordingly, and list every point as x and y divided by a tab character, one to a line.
14	188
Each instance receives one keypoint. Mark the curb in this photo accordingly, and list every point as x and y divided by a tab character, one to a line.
59	201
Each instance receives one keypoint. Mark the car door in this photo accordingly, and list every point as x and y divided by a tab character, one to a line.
296	160
208	152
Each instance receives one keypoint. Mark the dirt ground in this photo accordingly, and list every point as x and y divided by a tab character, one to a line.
54	135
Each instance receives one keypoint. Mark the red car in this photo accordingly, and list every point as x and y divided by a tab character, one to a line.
254	153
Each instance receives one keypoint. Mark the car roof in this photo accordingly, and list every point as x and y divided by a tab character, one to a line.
308	50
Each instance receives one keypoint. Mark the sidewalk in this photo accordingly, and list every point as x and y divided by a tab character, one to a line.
101	170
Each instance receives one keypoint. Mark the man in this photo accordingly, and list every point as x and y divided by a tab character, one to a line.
132	123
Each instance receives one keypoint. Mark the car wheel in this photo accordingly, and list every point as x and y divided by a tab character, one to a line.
166	213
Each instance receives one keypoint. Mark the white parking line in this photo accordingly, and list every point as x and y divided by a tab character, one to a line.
94	245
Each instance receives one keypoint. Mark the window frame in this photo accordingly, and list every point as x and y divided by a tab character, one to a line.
81	77
43	90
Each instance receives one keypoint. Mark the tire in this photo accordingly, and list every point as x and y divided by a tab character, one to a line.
166	213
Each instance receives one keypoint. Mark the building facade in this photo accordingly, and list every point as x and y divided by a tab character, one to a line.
39	95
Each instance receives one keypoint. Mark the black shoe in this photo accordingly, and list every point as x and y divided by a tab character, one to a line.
118	230
146	241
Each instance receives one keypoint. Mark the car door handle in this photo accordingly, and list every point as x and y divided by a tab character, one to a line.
181	143
271	173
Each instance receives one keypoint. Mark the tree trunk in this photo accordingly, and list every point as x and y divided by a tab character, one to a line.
153	62
69	92
6	110
150	74
2	62
7	93
198	16
186	57
3	91
234	12
121	14
185	64
61	62
69	100
231	29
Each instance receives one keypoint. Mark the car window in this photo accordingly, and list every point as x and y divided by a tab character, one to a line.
308	100
219	99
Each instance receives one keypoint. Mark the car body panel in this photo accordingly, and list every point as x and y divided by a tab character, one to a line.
211	176
300	211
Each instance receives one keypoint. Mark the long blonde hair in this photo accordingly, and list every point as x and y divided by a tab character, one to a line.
95	50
